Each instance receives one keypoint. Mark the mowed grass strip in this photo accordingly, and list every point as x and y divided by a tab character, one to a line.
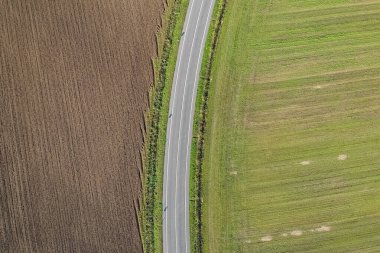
292	154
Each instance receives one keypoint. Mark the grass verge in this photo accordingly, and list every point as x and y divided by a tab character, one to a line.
164	65
196	225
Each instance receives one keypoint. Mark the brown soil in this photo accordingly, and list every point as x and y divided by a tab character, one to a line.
74	82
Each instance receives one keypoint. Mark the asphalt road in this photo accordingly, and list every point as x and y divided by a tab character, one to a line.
176	233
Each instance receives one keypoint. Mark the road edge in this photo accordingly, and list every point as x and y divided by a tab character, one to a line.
197	238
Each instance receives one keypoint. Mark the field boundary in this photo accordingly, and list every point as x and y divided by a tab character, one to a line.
200	115
153	154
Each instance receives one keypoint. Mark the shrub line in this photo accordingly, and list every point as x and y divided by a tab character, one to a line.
152	147
202	128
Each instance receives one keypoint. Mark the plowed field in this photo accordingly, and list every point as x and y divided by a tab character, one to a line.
74	82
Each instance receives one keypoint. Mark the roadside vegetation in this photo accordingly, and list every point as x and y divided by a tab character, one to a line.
164	65
291	155
197	151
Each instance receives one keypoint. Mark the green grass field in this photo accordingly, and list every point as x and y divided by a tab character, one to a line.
292	155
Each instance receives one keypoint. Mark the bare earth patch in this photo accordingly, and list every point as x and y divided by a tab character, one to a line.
296	232
342	157
305	162
284	234
233	173
266	238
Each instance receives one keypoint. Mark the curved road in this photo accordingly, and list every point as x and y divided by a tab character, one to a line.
176	233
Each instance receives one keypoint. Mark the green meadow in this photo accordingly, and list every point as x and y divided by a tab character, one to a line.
292	153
